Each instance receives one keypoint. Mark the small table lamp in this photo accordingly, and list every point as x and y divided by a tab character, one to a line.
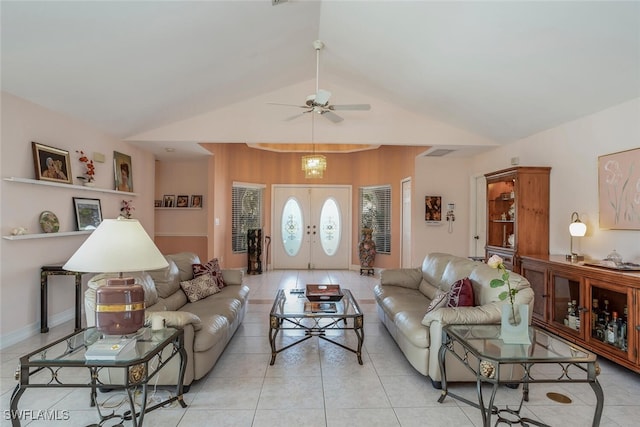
118	246
577	228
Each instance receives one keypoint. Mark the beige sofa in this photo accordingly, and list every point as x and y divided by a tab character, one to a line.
403	296
209	324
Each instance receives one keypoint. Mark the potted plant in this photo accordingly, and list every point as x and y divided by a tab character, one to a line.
90	169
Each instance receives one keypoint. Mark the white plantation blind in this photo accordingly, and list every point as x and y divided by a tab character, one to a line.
246	213
375	213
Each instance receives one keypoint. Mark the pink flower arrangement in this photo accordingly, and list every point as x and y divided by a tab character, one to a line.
88	164
127	208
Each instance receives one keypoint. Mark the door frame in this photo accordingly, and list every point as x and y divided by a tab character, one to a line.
347	227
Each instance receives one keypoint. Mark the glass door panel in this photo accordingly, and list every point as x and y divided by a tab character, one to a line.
567	307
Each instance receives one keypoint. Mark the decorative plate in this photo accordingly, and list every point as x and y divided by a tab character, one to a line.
49	222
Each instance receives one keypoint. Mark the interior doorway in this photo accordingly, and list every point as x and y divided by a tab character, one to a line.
311	227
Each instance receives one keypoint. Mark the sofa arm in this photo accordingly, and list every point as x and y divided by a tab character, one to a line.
176	319
404	277
232	277
484	314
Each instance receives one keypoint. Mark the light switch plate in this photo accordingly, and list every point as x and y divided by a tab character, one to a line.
98	157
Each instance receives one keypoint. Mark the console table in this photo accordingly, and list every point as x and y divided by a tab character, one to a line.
57	270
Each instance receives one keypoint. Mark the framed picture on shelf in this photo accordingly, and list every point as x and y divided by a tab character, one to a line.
169	201
51	164
618	178
123	171
196	201
88	213
182	201
157	203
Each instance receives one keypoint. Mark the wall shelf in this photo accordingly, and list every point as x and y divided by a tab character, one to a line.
46	235
71	186
177	209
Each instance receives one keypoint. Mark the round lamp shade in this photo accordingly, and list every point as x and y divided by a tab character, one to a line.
577	229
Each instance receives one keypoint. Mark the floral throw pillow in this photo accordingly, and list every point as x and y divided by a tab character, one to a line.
438	301
200	287
461	294
213	268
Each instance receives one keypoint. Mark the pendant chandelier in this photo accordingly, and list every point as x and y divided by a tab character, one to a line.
314	165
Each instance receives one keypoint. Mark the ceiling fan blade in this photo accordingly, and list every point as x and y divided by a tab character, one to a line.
288	119
332	116
358	107
288	105
322	97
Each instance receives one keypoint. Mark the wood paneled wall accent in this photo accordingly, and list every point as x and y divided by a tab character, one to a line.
240	163
175	244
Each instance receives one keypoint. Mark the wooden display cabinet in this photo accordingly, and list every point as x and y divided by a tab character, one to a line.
557	281
517	213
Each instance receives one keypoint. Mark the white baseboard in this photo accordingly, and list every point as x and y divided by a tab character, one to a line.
33	329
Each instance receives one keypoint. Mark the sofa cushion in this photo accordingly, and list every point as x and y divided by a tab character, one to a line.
199	287
212	268
184	262
167	280
461	294
405	277
215	328
440	300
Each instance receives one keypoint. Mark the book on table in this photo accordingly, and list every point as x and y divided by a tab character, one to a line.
320	307
111	349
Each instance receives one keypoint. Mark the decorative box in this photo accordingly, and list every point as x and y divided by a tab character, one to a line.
324	293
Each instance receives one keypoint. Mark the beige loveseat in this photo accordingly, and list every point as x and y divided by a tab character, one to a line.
208	323
403	296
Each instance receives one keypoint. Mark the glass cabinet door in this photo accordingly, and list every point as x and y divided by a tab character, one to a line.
501	213
567	303
610	319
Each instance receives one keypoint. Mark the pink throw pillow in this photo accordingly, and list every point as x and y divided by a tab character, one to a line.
213	268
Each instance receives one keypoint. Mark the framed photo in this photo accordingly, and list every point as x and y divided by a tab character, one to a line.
196	201
157	203
51	164
88	213
169	201
182	201
123	170
433	208
619	190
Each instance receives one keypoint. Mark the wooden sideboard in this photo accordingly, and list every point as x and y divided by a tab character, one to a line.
557	282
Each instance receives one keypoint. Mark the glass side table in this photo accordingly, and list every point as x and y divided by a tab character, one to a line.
51	365
481	351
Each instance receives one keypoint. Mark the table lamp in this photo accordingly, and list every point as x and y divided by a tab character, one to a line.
577	228
118	246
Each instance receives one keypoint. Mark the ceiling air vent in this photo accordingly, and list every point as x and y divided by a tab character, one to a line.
438	152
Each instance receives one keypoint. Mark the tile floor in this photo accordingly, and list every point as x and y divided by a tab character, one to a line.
319	384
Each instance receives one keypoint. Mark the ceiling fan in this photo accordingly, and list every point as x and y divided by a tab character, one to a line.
319	101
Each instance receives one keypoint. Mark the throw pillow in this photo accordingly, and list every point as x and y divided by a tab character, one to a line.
438	301
461	294
200	287
213	268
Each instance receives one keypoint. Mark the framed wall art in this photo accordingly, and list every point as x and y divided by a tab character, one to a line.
51	164
196	201
123	170
169	201
433	208
88	213
619	190
182	201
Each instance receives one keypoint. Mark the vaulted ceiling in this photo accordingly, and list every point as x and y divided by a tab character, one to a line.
494	71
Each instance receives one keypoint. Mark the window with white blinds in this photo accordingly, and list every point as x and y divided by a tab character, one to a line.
375	213
246	213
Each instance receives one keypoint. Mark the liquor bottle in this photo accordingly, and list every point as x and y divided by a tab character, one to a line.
572	314
594	316
622	329
612	329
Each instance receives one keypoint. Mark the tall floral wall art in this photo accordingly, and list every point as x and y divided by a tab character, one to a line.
619	190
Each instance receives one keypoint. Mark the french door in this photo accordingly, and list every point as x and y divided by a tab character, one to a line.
311	227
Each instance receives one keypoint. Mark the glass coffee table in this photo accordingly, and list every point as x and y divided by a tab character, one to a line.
480	350
62	364
288	313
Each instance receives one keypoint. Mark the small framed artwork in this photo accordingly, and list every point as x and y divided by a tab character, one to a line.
51	164
157	203
196	201
619	190
182	201
123	170
433	208
88	213
169	200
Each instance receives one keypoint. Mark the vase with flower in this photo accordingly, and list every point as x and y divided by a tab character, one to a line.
514	323
127	208
90	170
